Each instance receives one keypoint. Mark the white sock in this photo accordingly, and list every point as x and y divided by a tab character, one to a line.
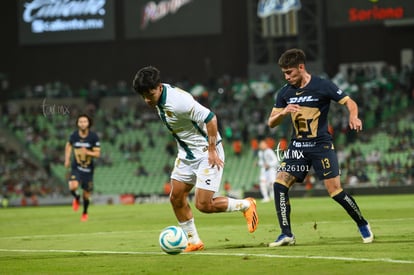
191	230
237	205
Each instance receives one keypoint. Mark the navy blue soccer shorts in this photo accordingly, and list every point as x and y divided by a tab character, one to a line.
298	160
85	179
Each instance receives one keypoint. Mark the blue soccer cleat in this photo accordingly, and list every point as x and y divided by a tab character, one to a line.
366	233
283	240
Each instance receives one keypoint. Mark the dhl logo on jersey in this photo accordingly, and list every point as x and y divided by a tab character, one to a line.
301	99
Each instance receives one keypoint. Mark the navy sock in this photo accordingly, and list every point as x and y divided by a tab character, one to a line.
282	205
74	194
350	205
85	205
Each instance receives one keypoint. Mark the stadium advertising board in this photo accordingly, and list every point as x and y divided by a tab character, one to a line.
170	18
346	13
62	21
266	8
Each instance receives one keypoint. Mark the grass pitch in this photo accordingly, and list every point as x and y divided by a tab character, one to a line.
121	239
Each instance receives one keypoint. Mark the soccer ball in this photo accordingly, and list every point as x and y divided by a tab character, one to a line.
173	240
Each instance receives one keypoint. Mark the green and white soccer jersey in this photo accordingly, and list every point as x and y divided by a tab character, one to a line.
186	119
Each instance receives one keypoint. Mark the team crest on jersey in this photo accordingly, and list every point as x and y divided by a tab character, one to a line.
169	114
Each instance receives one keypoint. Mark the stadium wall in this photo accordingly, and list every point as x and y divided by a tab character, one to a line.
368	31
196	57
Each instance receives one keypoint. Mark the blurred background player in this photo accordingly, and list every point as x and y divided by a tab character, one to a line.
200	158
306	98
86	147
268	163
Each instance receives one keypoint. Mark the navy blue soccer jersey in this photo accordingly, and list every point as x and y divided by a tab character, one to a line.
80	161
311	122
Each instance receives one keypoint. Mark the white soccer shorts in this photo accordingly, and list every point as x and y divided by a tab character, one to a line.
199	172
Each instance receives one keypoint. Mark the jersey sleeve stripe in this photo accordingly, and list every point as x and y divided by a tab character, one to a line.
209	117
343	100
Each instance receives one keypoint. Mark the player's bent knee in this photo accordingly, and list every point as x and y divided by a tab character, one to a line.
178	201
73	184
285	179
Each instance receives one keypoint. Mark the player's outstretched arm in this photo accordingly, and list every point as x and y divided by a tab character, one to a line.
68	151
212	131
354	122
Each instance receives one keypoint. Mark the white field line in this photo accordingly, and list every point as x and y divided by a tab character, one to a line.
386	260
74	234
383	260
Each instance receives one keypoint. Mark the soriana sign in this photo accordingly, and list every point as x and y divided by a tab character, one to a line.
342	13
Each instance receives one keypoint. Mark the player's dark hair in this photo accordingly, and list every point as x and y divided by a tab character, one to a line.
146	79
292	58
90	121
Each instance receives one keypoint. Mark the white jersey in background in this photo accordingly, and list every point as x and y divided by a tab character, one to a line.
267	159
268	163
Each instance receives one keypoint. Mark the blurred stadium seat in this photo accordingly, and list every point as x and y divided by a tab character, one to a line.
131	135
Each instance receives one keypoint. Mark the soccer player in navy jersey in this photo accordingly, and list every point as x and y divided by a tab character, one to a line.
200	158
86	147
306	99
